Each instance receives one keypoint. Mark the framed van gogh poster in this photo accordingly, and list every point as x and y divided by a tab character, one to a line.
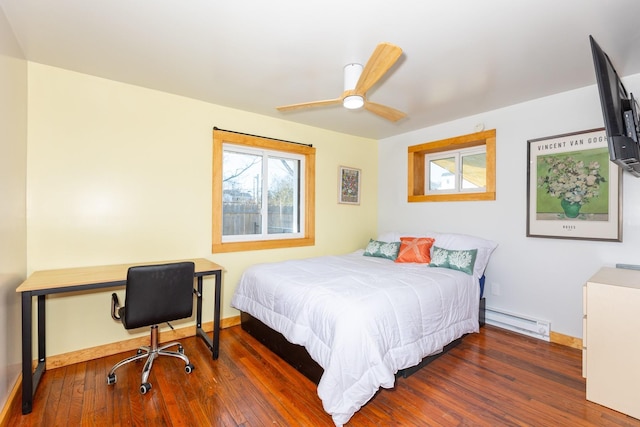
573	190
349	186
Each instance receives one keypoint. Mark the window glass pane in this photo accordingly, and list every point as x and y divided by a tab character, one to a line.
283	195
474	171
442	174
241	194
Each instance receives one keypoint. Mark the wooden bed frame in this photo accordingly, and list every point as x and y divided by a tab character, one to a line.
297	356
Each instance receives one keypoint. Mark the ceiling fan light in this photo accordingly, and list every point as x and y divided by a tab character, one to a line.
353	102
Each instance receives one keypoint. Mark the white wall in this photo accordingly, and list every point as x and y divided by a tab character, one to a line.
13	148
538	277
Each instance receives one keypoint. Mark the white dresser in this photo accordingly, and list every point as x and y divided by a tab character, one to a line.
611	339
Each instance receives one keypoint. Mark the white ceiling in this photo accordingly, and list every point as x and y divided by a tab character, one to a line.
461	57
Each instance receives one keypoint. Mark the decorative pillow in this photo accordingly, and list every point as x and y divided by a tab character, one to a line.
379	249
466	242
415	249
461	260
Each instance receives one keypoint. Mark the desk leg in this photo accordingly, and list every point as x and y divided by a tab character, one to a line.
199	331
42	354
214	344
27	384
216	315
31	379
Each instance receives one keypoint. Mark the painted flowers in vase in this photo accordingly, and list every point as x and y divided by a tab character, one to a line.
572	181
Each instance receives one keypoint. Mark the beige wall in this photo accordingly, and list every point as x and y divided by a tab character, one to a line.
13	149
118	173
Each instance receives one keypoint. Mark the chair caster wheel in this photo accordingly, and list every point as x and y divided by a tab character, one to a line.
111	379
180	349
144	388
189	368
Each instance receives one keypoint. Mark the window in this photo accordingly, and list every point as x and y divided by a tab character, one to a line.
263	193
454	169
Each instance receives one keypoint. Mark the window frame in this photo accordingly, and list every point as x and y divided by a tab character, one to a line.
306	237
416	180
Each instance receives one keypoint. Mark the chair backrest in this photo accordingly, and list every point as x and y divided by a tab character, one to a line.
158	293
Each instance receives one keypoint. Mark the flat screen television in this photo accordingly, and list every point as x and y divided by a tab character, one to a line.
620	112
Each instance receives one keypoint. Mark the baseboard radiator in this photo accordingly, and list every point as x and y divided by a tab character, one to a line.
517	323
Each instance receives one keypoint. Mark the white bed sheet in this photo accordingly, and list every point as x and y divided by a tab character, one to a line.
360	318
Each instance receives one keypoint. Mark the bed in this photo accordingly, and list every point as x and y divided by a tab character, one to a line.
363	317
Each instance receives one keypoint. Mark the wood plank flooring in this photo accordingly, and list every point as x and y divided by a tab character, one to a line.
494	378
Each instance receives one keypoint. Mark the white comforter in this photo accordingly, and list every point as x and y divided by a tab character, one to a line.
361	318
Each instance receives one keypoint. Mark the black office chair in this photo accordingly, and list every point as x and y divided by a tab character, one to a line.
154	294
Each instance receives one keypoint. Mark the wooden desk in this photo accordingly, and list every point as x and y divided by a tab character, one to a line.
43	283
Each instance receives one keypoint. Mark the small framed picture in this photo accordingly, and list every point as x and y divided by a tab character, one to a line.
349	185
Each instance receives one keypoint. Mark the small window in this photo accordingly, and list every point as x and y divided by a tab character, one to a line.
263	193
454	169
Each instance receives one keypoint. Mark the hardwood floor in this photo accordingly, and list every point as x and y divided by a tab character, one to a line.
495	378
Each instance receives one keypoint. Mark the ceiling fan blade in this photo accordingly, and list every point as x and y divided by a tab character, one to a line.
310	104
383	58
383	111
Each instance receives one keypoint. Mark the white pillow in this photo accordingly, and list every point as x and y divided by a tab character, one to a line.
465	242
394	236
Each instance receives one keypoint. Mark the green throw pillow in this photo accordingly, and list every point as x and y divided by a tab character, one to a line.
388	250
462	260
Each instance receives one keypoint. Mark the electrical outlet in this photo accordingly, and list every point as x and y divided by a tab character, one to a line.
495	289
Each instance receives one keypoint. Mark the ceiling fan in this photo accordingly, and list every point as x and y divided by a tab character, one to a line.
357	81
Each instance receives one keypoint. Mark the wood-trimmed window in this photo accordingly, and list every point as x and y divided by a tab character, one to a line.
417	167
297	159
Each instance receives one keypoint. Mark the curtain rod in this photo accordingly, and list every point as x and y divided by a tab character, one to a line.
265	137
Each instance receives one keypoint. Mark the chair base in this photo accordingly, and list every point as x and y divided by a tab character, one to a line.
151	353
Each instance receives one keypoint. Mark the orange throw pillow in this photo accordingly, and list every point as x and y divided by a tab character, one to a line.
415	249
